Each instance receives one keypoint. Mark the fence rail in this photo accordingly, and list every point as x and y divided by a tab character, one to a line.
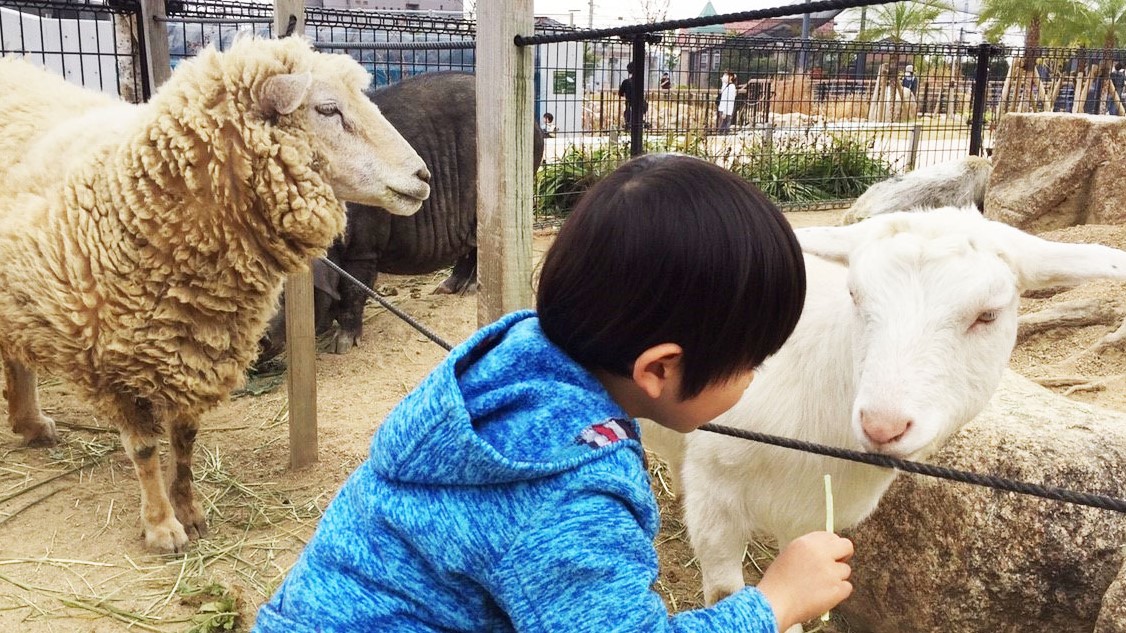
812	122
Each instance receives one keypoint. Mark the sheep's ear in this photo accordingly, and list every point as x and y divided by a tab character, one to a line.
1040	263
832	242
283	94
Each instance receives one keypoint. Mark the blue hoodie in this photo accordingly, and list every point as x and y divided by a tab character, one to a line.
482	508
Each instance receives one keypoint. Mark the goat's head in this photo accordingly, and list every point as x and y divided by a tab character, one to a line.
935	299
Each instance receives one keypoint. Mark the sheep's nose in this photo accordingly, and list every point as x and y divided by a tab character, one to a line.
882	426
423	175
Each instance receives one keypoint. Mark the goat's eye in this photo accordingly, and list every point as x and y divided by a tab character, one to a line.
988	316
854	296
328	109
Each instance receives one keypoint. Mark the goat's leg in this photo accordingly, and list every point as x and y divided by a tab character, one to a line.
24	414
716	537
140	435
180	488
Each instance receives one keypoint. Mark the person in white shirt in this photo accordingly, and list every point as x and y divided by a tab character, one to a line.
726	102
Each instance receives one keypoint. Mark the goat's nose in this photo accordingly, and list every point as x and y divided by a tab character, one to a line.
883	426
423	175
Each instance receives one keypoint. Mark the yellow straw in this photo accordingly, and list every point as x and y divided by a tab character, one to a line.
828	518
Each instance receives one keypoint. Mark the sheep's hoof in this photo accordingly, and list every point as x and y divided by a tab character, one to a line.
167	537
344	342
39	433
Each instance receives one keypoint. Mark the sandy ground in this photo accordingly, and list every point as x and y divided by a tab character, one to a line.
71	556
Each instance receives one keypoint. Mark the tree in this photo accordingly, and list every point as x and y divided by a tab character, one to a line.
1099	23
902	20
1030	15
654	10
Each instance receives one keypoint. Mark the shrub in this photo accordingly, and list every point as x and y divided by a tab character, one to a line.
799	169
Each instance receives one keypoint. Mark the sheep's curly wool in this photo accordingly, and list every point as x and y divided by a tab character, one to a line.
143	246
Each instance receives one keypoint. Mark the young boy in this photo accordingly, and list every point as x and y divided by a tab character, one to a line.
508	492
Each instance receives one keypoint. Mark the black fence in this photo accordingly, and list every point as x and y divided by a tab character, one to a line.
812	122
88	42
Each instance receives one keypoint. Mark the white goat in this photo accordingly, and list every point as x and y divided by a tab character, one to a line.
956	183
893	354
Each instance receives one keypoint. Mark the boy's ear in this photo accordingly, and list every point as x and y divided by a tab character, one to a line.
658	369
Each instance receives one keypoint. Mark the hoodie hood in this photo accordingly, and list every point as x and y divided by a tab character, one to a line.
507	405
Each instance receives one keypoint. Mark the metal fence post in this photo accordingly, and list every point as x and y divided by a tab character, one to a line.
637	98
981	92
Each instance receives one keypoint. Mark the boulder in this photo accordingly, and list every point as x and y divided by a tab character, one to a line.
946	556
1054	170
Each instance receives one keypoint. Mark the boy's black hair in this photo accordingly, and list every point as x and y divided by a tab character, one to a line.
549	116
673	249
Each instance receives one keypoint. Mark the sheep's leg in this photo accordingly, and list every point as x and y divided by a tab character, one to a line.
140	435
24	414
180	488
350	310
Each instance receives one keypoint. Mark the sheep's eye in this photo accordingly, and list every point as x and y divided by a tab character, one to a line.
854	296
328	109
988	316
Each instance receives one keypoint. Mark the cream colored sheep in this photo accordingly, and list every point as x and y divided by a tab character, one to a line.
143	247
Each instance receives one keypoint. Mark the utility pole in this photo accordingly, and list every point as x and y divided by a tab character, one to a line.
590	16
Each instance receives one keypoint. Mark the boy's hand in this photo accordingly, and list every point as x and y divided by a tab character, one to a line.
809	577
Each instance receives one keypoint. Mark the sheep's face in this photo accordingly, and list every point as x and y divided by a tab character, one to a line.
935	297
362	156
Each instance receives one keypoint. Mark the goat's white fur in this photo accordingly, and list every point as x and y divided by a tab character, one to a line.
900	334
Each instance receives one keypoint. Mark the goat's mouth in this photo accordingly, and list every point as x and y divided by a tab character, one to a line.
899	449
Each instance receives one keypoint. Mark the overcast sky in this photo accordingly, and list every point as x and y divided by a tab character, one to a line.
625	12
608	12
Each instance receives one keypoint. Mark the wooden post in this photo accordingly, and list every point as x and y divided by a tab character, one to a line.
300	332
154	39
504	165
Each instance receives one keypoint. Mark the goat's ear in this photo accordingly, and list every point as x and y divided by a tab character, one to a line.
1041	263
283	94
832	242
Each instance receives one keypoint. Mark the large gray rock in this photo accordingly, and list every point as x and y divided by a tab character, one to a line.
952	557
1054	170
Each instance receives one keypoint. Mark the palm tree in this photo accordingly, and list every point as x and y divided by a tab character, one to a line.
1034	17
900	20
1030	15
897	22
1099	23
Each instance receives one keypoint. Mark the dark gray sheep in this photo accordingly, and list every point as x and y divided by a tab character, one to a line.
436	114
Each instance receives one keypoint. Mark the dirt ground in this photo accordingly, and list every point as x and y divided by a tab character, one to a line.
71	555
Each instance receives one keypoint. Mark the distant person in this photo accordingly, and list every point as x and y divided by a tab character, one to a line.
624	91
549	128
1117	79
910	81
725	106
666	82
